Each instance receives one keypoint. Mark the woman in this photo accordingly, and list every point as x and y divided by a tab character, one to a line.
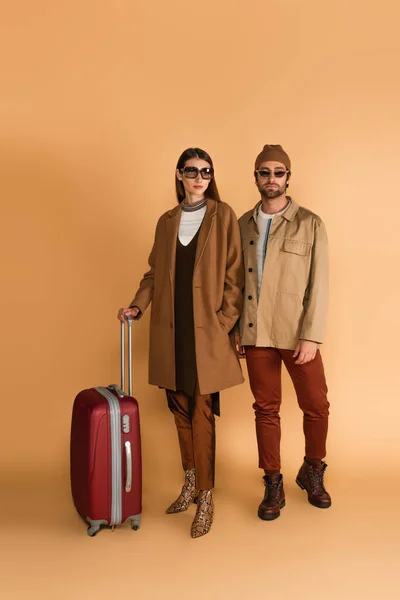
195	285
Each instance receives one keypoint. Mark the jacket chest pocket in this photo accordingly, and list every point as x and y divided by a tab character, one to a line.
295	261
295	247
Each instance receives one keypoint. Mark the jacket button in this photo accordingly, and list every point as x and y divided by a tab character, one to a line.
250	324
250	297
250	270
251	243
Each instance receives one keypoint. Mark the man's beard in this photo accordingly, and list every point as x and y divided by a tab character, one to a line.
272	192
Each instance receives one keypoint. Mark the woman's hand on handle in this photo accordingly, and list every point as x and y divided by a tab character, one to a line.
123	313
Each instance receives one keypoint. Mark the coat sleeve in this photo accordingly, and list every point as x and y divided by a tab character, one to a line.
314	322
234	275
144	295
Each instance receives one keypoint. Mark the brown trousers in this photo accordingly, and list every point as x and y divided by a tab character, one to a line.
264	368
195	423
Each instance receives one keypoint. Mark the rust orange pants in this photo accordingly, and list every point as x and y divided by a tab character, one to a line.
195	423
264	367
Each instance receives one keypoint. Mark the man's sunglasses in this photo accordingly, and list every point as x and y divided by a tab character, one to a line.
193	172
265	173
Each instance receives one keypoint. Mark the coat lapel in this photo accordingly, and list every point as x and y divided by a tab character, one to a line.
205	229
172	225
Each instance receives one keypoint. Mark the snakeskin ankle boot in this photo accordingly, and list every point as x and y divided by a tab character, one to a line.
204	514
187	495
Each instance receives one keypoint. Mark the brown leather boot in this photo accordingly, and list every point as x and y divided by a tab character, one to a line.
204	514
311	479
187	495
274	498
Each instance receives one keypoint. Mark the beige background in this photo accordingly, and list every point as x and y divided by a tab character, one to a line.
98	100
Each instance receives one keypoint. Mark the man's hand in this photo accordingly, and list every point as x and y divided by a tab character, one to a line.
305	352
239	348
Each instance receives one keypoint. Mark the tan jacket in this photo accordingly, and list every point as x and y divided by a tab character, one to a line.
218	281
294	292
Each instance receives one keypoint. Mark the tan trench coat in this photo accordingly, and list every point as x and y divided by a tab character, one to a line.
294	292
218	281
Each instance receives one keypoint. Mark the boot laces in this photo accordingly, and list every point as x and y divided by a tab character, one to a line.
271	487
316	478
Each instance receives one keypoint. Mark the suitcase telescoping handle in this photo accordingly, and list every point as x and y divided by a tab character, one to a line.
129	319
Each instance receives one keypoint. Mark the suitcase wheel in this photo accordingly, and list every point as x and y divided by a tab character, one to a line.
135	522
92	531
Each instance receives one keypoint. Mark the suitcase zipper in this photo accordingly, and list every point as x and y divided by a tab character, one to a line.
116	462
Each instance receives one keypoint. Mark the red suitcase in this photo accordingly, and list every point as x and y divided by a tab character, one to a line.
105	453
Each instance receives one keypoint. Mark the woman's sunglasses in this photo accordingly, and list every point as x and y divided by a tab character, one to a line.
193	172
265	173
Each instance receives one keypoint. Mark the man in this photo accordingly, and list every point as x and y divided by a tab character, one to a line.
285	252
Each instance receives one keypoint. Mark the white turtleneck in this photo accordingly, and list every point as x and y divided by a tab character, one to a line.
191	220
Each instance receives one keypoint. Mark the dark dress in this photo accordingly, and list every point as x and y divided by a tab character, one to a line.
185	349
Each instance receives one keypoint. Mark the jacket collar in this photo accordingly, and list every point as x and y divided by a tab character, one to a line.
289	214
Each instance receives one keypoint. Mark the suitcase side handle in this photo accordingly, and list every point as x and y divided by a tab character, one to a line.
128	454
129	320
